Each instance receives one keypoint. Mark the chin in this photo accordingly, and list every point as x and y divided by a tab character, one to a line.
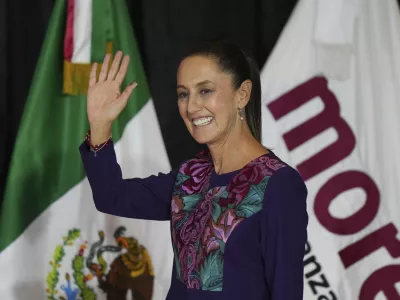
203	139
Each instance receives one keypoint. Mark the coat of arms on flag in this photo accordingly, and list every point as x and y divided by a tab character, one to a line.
77	268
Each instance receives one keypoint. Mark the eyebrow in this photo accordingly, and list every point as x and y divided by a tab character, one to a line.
198	84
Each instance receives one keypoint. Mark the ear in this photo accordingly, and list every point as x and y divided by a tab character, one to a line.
244	93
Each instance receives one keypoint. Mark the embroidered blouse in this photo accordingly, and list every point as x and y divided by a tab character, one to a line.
239	235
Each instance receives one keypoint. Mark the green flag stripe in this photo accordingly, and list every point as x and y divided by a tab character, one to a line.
46	161
102	28
126	42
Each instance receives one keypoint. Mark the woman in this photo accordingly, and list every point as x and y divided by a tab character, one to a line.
238	213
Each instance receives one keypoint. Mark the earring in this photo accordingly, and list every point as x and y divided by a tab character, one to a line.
241	114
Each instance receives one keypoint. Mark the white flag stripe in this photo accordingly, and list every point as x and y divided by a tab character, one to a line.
82	31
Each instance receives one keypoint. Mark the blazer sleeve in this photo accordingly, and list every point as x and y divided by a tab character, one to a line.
284	234
140	198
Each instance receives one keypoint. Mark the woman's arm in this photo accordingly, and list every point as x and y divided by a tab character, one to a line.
148	198
284	234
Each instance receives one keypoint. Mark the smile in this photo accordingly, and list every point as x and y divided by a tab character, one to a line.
202	121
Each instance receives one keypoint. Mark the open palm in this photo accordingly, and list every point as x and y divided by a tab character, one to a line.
104	99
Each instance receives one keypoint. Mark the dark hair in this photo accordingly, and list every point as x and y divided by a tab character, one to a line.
232	60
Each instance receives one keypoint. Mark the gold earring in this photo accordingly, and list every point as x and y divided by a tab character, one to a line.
241	114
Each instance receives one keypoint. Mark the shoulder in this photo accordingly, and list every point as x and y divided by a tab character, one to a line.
283	174
285	186
287	177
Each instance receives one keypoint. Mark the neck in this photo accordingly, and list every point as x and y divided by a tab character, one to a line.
235	151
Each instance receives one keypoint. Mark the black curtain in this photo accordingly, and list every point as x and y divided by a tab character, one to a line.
23	26
163	30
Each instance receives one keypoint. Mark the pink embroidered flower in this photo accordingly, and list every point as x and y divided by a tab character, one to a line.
199	171
225	202
258	171
194	226
273	163
240	185
238	188
221	231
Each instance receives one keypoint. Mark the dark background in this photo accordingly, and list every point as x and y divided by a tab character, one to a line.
163	30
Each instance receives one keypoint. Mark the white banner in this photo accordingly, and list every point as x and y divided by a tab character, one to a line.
331	106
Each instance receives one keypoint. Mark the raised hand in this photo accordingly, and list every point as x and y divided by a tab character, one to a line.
104	99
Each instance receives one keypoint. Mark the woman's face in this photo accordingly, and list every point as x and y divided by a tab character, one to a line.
208	103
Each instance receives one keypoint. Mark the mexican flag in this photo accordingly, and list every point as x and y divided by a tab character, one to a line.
53	242
331	106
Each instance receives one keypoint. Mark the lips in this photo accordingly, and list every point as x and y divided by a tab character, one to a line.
202	121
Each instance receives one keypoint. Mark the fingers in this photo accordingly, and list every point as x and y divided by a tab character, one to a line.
115	66
104	68
92	79
122	70
123	99
116	72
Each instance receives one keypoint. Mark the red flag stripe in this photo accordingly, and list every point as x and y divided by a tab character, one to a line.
69	32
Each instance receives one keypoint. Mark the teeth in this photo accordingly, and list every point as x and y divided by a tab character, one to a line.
203	121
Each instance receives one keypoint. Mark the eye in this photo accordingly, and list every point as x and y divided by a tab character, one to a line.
205	92
183	95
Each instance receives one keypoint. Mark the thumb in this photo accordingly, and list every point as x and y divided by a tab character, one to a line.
126	93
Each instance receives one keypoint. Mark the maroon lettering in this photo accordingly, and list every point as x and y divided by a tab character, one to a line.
314	284
382	280
323	297
383	237
335	186
316	267
328	118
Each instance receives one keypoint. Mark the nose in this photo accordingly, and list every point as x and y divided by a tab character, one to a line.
193	105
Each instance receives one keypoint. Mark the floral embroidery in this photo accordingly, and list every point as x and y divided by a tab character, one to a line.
203	219
198	169
216	235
